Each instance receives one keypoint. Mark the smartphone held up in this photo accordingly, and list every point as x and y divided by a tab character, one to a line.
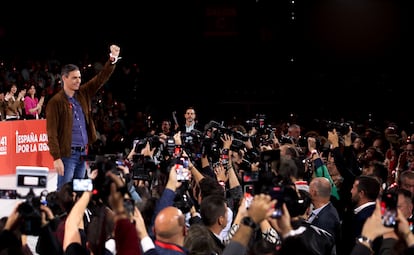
389	209
181	167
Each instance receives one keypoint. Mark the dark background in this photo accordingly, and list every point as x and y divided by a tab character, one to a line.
336	58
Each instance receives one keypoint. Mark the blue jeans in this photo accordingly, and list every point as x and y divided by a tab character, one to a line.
75	168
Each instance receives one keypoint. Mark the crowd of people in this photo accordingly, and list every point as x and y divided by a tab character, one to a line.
180	186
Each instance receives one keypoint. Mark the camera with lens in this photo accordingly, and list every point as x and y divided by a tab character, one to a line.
340	127
210	148
169	147
182	199
284	139
240	136
31	216
142	166
286	194
101	184
154	142
192	137
259	123
237	145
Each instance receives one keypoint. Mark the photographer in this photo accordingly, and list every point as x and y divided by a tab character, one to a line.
260	209
125	235
299	236
143	170
12	241
47	243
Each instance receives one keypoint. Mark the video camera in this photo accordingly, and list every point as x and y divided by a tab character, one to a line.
286	194
153	140
260	124
342	127
31	177
142	166
31	214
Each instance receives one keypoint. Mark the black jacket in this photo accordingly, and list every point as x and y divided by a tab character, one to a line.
312	241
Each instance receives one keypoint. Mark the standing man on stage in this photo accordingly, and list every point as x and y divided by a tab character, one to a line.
69	124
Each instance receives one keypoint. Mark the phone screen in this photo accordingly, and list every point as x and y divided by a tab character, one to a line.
183	174
129	205
389	209
82	185
276	192
248	194
252	176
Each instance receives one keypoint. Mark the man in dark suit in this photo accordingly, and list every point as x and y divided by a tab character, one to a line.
364	193
190	117
324	214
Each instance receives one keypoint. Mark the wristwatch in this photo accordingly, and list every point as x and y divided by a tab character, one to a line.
366	242
248	221
363	239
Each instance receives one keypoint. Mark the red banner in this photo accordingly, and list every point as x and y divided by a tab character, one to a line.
23	143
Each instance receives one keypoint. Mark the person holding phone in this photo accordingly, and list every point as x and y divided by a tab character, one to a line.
374	228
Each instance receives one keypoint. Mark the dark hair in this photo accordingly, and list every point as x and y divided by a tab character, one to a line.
211	208
66	69
370	185
52	199
199	241
405	174
98	231
405	193
210	186
65	197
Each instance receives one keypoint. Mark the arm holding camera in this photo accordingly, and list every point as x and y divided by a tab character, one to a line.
47	214
168	195
126	236
8	239
260	209
233	179
195	173
320	167
283	224
221	174
147	244
74	222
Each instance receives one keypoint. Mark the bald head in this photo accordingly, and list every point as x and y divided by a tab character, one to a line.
169	225
321	187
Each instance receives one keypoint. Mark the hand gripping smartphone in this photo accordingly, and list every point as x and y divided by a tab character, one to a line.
181	167
389	208
276	192
248	194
